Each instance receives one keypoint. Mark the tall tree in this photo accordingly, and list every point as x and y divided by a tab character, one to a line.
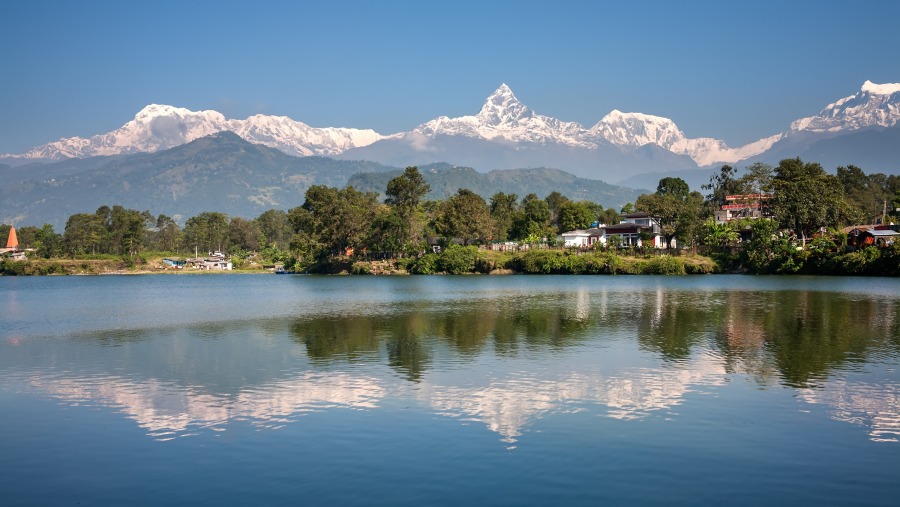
673	186
609	216
275	228
168	234
533	220
127	229
206	232
675	208
503	211
555	200
83	233
404	193
243	235
330	220
575	215
720	185
806	197
465	216
870	194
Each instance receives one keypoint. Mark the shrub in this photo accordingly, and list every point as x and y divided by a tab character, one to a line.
361	268
405	263
457	259
425	265
540	261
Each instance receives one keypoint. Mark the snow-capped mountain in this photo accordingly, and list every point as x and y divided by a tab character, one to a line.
503	117
875	105
159	127
637	129
505	133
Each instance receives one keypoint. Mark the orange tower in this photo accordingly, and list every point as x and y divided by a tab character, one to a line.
13	241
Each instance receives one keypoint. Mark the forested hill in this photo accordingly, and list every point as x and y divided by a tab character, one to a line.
221	172
446	179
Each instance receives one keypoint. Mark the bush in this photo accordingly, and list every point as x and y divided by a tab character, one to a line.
457	260
664	265
541	262
425	265
859	262
405	263
361	268
12	268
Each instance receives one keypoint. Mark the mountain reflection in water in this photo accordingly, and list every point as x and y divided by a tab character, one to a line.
505	361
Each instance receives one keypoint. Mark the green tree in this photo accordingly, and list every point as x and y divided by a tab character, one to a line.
533	221
243	235
465	216
503	211
168	235
555	200
575	215
44	240
719	236
127	229
275	227
404	193
674	186
720	185
331	219
869	195
757	178
384	236
676	209
609	216
206	232
807	198
83	233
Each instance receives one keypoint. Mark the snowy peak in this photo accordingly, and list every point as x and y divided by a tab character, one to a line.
159	127
504	118
503	108
880	89
637	129
875	105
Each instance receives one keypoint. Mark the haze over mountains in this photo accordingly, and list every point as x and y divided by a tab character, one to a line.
223	172
148	164
506	133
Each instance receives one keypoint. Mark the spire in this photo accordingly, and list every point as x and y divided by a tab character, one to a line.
13	241
502	107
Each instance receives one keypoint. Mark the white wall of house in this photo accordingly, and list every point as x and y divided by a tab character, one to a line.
576	238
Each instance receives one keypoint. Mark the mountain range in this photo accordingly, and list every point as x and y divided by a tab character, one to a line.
180	162
224	172
505	133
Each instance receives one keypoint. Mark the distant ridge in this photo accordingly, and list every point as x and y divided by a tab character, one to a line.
223	172
505	133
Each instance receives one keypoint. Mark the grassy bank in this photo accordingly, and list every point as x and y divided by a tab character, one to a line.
471	260
100	265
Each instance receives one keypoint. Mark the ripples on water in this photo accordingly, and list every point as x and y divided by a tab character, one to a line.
516	356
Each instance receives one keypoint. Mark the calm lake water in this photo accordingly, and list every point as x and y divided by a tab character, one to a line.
439	390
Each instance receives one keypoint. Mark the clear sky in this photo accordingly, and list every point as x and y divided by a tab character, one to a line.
737	71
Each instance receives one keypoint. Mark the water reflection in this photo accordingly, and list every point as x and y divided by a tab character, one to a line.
874	406
504	362
166	410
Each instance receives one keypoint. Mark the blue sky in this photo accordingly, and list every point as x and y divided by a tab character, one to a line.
736	71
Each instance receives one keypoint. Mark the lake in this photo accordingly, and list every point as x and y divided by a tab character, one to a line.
443	390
